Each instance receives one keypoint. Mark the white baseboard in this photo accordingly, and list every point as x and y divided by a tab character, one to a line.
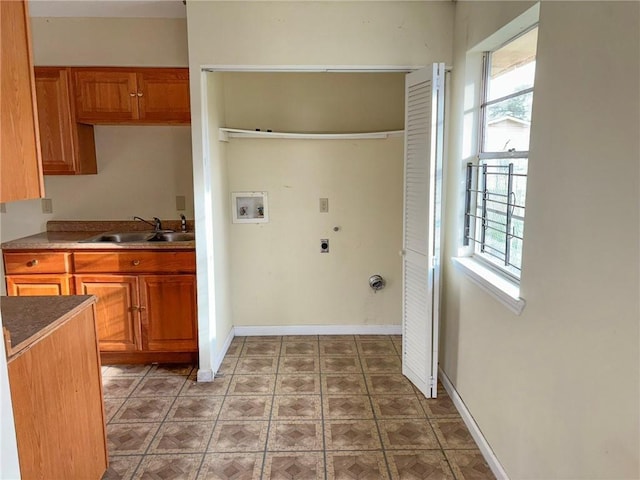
471	424
250	331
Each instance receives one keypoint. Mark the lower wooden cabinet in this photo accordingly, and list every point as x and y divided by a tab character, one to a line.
146	309
56	392
146	313
35	285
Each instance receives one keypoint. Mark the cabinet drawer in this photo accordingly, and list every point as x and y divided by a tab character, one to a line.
40	262
134	262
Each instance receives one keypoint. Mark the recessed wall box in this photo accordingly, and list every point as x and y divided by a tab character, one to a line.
249	207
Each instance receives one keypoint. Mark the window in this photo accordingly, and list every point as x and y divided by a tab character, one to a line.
497	182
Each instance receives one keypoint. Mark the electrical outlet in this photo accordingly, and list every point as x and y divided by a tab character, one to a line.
47	205
324	205
181	203
324	245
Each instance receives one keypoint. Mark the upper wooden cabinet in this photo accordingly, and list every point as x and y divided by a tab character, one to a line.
20	162
132	95
68	148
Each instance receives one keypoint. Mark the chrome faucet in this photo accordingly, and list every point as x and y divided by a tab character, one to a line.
183	223
157	225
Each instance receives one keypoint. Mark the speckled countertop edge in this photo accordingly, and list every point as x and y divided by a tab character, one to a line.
29	319
65	235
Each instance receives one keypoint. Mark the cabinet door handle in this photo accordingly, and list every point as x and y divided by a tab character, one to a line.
132	94
134	308
139	94
32	263
142	308
135	263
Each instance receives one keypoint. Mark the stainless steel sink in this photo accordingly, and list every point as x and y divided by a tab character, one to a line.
174	237
128	237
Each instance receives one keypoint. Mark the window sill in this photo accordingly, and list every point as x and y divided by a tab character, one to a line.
498	287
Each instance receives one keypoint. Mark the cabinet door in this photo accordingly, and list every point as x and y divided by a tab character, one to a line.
21	166
116	310
34	285
105	95
165	95
68	148
169	312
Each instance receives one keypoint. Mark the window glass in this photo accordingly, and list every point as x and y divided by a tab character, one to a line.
513	66
507	124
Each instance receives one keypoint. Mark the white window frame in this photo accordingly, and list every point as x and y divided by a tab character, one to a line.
499	284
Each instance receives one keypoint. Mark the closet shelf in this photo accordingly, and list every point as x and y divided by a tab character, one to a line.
227	133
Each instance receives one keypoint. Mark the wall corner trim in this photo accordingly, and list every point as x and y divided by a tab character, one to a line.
205	375
474	429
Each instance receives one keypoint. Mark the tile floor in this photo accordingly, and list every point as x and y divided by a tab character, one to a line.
292	407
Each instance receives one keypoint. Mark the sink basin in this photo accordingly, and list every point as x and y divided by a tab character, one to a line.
121	237
128	237
174	237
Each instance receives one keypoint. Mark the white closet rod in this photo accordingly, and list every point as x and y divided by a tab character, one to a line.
226	133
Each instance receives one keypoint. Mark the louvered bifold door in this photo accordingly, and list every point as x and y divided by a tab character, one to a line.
424	112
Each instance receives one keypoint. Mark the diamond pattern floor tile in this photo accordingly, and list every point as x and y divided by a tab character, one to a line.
182	437
130	438
289	384
231	466
349	407
239	436
122	468
174	467
397	406
159	386
336	384
419	465
302	407
468	464
351	435
195	409
136	410
407	434
453	433
295	436
281	466
246	408
356	466
252	385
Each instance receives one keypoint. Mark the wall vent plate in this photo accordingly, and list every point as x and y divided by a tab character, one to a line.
324	245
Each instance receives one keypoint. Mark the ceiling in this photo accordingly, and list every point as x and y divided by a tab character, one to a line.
108	8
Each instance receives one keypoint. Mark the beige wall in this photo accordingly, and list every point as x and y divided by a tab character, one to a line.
556	390
315	102
319	33
279	276
154	42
